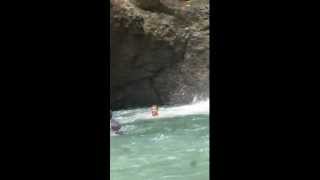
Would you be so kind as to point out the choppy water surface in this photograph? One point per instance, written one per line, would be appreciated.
(174, 145)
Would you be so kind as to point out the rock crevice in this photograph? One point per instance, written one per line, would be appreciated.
(155, 57)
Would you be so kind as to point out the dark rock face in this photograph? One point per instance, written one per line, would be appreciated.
(159, 52)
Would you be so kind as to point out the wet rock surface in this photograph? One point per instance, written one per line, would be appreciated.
(159, 52)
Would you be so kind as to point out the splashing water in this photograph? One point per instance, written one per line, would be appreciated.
(126, 116)
(174, 145)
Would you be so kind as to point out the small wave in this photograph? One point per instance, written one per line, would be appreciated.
(200, 107)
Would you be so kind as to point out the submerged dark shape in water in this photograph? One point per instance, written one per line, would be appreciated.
(169, 147)
(115, 126)
(193, 163)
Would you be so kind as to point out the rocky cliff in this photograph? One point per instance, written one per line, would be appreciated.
(159, 52)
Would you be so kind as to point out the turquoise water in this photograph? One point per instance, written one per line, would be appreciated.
(173, 146)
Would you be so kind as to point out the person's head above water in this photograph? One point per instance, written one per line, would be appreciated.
(114, 125)
(154, 110)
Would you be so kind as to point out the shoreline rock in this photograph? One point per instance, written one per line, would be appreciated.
(159, 52)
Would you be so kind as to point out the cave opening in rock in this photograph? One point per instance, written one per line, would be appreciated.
(136, 62)
(157, 58)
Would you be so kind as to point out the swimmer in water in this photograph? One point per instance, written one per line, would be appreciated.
(154, 110)
(115, 126)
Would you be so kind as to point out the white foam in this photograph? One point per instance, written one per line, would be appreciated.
(200, 107)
